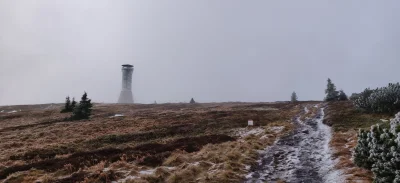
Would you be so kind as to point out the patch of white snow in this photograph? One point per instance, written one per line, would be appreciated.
(125, 179)
(306, 110)
(117, 115)
(265, 109)
(327, 164)
(244, 132)
(276, 129)
(14, 111)
(147, 172)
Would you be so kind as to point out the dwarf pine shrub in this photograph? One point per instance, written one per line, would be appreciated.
(380, 100)
(361, 151)
(381, 156)
(379, 151)
(362, 101)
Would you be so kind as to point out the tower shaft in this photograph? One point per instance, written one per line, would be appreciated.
(126, 96)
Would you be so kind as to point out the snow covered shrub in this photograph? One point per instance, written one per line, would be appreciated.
(363, 99)
(381, 156)
(386, 99)
(395, 124)
(396, 158)
(380, 100)
(379, 151)
(354, 96)
(361, 151)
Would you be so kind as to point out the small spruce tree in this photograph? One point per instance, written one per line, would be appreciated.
(293, 98)
(73, 104)
(84, 109)
(342, 96)
(331, 93)
(67, 106)
(192, 101)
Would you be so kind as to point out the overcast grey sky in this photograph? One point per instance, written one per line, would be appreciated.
(212, 50)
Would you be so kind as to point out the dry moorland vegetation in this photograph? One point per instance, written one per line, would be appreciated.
(345, 120)
(150, 143)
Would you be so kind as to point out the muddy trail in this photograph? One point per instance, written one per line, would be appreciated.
(301, 156)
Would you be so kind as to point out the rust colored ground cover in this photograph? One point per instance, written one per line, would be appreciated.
(37, 143)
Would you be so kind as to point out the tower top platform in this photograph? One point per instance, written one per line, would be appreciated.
(127, 65)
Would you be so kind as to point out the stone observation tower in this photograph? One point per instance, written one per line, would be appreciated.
(126, 96)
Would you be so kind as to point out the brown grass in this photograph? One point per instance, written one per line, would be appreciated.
(346, 120)
(38, 134)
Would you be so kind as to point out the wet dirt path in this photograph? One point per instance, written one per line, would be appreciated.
(302, 156)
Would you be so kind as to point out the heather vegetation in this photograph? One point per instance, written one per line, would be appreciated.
(195, 143)
(151, 143)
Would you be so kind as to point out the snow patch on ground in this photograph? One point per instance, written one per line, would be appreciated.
(130, 177)
(327, 169)
(14, 111)
(147, 172)
(117, 115)
(265, 109)
(306, 110)
(244, 132)
(276, 129)
(304, 156)
(264, 137)
(299, 121)
(142, 172)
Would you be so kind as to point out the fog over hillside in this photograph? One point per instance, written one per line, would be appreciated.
(213, 51)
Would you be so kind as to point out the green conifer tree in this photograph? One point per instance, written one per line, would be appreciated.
(73, 104)
(342, 96)
(293, 98)
(84, 109)
(67, 105)
(331, 93)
